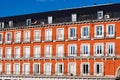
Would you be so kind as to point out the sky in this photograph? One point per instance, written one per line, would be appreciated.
(19, 7)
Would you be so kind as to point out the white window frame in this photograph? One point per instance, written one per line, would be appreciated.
(1, 38)
(72, 63)
(37, 38)
(95, 50)
(8, 55)
(16, 72)
(75, 50)
(50, 19)
(8, 42)
(69, 37)
(58, 37)
(56, 68)
(48, 37)
(59, 54)
(17, 55)
(23, 70)
(1, 69)
(102, 70)
(50, 53)
(34, 68)
(28, 22)
(7, 72)
(82, 50)
(85, 63)
(10, 23)
(1, 52)
(38, 53)
(2, 24)
(48, 73)
(25, 54)
(17, 39)
(74, 17)
(110, 35)
(27, 38)
(95, 31)
(82, 32)
(107, 44)
(100, 12)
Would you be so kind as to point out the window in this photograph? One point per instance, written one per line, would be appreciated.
(10, 23)
(85, 68)
(72, 33)
(59, 68)
(0, 68)
(110, 49)
(100, 14)
(85, 32)
(49, 19)
(26, 36)
(1, 52)
(37, 51)
(74, 17)
(98, 67)
(26, 68)
(8, 52)
(17, 37)
(72, 49)
(47, 68)
(17, 52)
(16, 68)
(72, 68)
(36, 68)
(99, 49)
(60, 34)
(2, 24)
(37, 35)
(8, 37)
(99, 32)
(26, 52)
(1, 38)
(48, 35)
(8, 68)
(28, 22)
(85, 49)
(60, 50)
(110, 30)
(48, 50)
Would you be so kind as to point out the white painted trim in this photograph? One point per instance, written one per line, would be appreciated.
(50, 68)
(56, 68)
(38, 36)
(61, 54)
(75, 49)
(95, 29)
(14, 68)
(74, 63)
(101, 14)
(6, 68)
(39, 52)
(23, 68)
(82, 63)
(48, 37)
(1, 38)
(39, 67)
(6, 37)
(1, 68)
(19, 52)
(69, 33)
(29, 36)
(45, 54)
(10, 54)
(81, 49)
(74, 17)
(100, 63)
(28, 55)
(50, 19)
(96, 44)
(107, 35)
(16, 38)
(59, 38)
(84, 37)
(1, 54)
(110, 43)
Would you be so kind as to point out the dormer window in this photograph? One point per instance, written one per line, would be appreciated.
(100, 14)
(49, 19)
(28, 22)
(74, 17)
(2, 24)
(10, 23)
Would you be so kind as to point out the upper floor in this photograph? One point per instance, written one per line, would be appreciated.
(96, 12)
